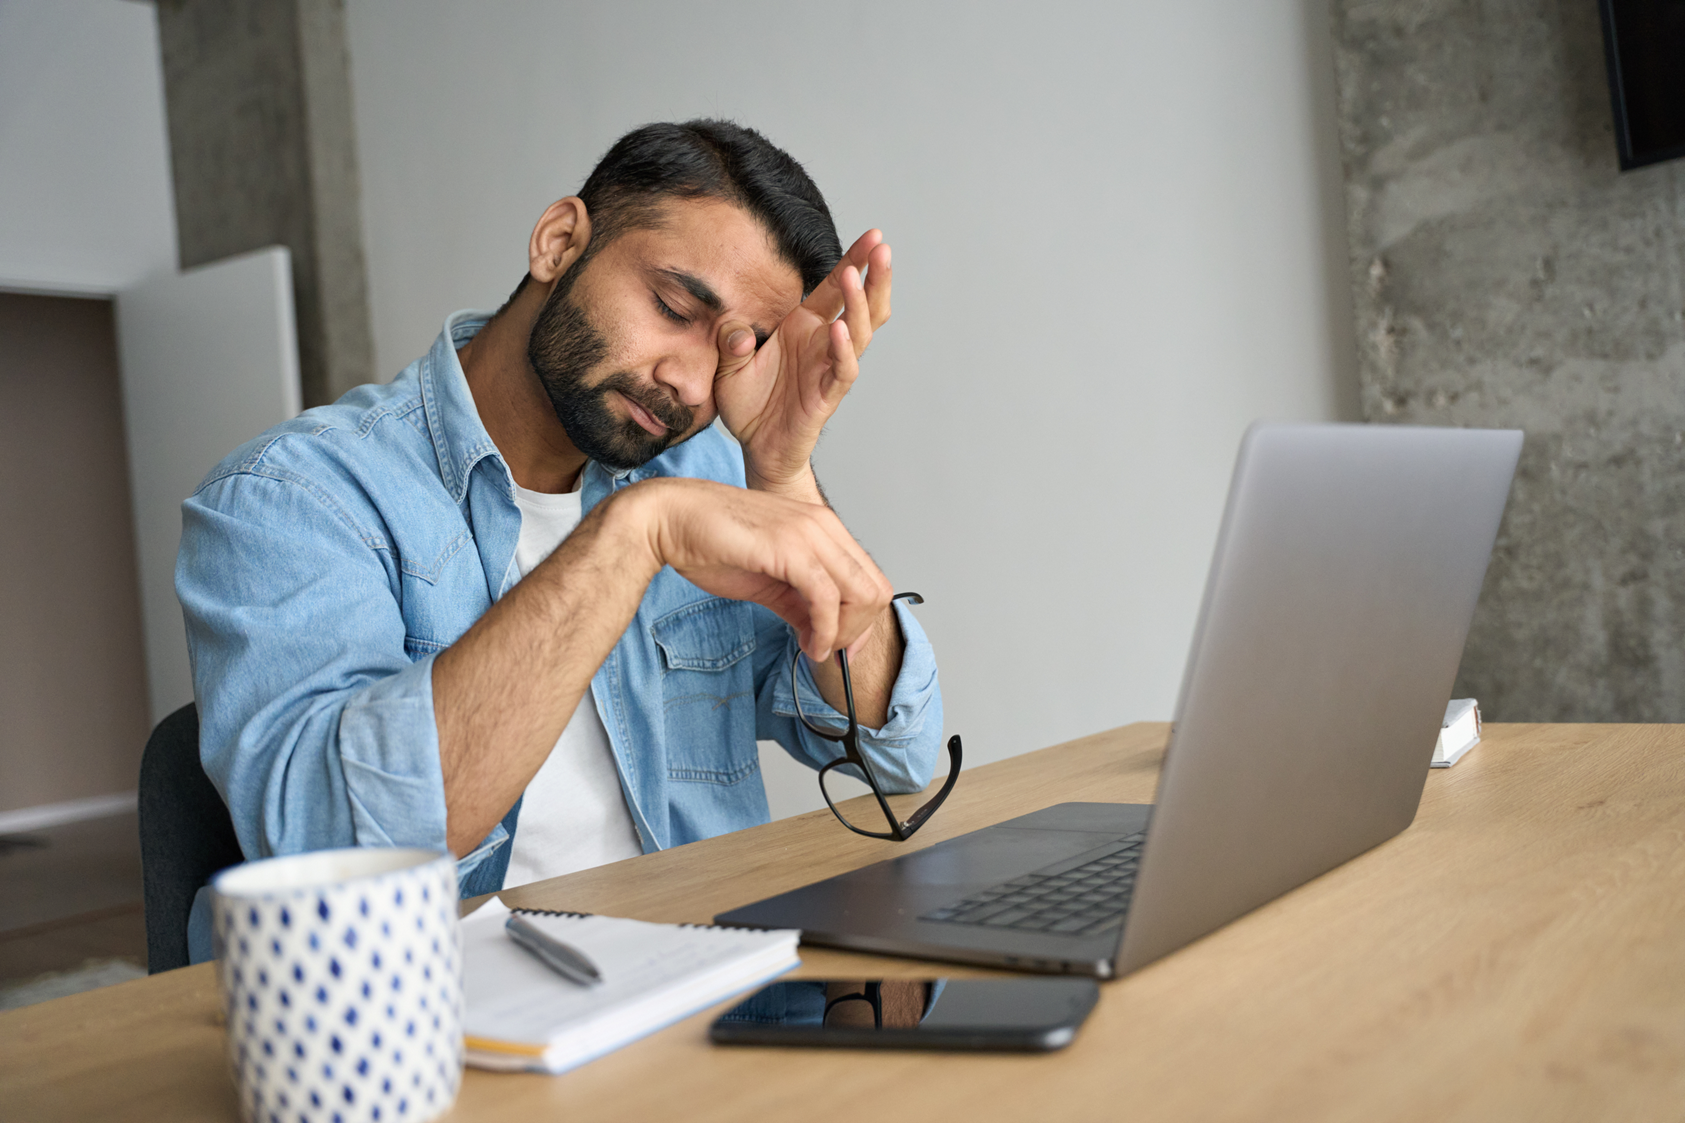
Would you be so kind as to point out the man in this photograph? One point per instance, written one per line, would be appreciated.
(526, 601)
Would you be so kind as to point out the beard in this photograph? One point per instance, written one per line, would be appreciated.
(565, 349)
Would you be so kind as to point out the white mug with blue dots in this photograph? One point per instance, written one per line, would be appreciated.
(341, 975)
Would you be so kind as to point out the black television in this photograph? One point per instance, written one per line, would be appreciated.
(1644, 42)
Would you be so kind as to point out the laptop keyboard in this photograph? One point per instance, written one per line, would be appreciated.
(1079, 900)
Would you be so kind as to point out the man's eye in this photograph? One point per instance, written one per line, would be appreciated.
(661, 306)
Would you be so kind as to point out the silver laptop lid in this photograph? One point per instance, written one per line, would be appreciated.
(1341, 590)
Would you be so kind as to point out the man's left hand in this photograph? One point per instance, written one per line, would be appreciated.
(776, 399)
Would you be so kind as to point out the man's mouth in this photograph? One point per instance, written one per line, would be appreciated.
(643, 416)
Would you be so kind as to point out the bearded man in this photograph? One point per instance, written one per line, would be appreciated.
(526, 601)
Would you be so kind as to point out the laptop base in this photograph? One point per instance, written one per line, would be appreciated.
(881, 908)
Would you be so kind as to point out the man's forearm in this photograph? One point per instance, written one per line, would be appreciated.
(503, 693)
(872, 669)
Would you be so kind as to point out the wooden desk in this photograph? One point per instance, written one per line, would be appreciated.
(1518, 953)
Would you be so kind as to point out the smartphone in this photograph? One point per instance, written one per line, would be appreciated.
(1032, 1014)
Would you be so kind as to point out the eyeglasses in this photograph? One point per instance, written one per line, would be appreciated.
(849, 738)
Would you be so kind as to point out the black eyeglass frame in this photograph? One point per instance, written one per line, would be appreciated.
(849, 738)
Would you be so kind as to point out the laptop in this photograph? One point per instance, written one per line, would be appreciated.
(1345, 576)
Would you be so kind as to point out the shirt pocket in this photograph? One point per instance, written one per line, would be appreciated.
(708, 691)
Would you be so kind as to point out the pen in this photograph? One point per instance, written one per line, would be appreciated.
(568, 962)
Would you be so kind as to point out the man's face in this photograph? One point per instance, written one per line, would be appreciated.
(627, 346)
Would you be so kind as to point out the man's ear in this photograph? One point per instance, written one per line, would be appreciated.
(559, 239)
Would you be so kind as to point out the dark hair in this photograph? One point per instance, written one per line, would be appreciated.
(708, 159)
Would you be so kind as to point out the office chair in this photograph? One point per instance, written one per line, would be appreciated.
(186, 835)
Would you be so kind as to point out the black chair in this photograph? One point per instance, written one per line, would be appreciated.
(186, 835)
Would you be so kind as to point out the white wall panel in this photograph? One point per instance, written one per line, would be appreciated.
(209, 360)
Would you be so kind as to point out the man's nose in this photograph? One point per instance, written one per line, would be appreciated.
(689, 374)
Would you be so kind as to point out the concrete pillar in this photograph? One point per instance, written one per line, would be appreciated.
(1505, 273)
(258, 94)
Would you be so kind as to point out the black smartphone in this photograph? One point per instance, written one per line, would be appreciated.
(1032, 1014)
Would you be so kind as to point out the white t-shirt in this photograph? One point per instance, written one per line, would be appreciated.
(574, 814)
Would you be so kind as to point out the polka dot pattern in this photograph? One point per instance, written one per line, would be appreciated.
(344, 1001)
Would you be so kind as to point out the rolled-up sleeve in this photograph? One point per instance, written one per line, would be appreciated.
(315, 722)
(904, 750)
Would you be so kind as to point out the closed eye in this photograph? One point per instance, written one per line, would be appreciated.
(662, 307)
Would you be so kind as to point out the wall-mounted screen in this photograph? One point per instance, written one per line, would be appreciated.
(1645, 44)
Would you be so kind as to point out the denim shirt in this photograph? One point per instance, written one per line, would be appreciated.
(325, 564)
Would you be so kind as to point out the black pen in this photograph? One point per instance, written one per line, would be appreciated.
(568, 962)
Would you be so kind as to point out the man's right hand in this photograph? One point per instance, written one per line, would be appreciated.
(795, 558)
(505, 690)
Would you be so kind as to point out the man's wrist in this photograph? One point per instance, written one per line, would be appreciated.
(632, 520)
(801, 485)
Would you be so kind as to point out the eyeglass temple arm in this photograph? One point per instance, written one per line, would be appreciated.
(851, 743)
(902, 831)
(899, 831)
(842, 657)
(852, 747)
(956, 753)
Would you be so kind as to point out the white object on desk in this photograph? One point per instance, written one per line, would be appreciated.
(341, 978)
(522, 1017)
(1459, 734)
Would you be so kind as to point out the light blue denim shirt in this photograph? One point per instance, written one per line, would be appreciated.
(325, 564)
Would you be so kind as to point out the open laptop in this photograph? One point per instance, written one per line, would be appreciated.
(1341, 591)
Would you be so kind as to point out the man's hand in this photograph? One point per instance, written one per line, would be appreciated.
(775, 400)
(793, 557)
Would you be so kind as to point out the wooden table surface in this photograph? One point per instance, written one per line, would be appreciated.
(1518, 953)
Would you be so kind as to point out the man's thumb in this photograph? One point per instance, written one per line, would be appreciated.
(737, 346)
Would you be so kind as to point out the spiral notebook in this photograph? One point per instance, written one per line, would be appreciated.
(520, 1016)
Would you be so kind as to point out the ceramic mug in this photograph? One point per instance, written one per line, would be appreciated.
(341, 976)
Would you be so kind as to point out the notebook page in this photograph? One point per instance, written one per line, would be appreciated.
(650, 972)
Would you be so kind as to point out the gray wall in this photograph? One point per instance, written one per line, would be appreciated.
(1117, 241)
(1506, 274)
